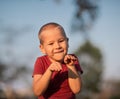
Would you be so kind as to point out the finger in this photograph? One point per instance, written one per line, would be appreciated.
(58, 65)
(73, 58)
(67, 59)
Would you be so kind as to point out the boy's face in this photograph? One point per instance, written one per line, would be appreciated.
(55, 44)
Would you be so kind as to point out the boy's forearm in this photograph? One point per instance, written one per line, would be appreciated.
(74, 79)
(41, 84)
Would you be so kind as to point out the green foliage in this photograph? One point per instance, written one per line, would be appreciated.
(115, 97)
(85, 15)
(92, 68)
(2, 69)
(89, 55)
(93, 51)
(116, 92)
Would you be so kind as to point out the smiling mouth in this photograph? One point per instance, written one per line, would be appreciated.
(59, 51)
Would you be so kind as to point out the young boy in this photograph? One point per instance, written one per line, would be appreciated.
(56, 74)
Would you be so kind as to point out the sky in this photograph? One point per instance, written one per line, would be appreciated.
(20, 21)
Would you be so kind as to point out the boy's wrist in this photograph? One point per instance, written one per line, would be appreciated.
(71, 66)
(51, 71)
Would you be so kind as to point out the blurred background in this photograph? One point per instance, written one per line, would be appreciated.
(93, 27)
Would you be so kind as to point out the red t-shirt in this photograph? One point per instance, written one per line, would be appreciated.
(58, 87)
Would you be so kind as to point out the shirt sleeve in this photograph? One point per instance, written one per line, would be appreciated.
(77, 65)
(38, 68)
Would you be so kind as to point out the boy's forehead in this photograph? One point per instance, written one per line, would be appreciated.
(49, 28)
(51, 35)
(51, 31)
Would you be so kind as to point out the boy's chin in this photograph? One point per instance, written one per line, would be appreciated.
(59, 58)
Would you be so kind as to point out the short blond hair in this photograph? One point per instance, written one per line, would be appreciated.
(48, 26)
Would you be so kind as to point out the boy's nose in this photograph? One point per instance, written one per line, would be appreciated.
(57, 45)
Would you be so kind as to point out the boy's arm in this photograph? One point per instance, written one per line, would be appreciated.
(41, 82)
(74, 78)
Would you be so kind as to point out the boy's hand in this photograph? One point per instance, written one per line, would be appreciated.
(55, 67)
(69, 60)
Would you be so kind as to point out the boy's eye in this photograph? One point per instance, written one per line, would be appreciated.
(50, 43)
(62, 40)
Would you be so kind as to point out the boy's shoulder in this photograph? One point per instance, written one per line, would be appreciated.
(44, 60)
(42, 57)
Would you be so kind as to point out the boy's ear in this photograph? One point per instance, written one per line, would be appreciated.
(42, 49)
